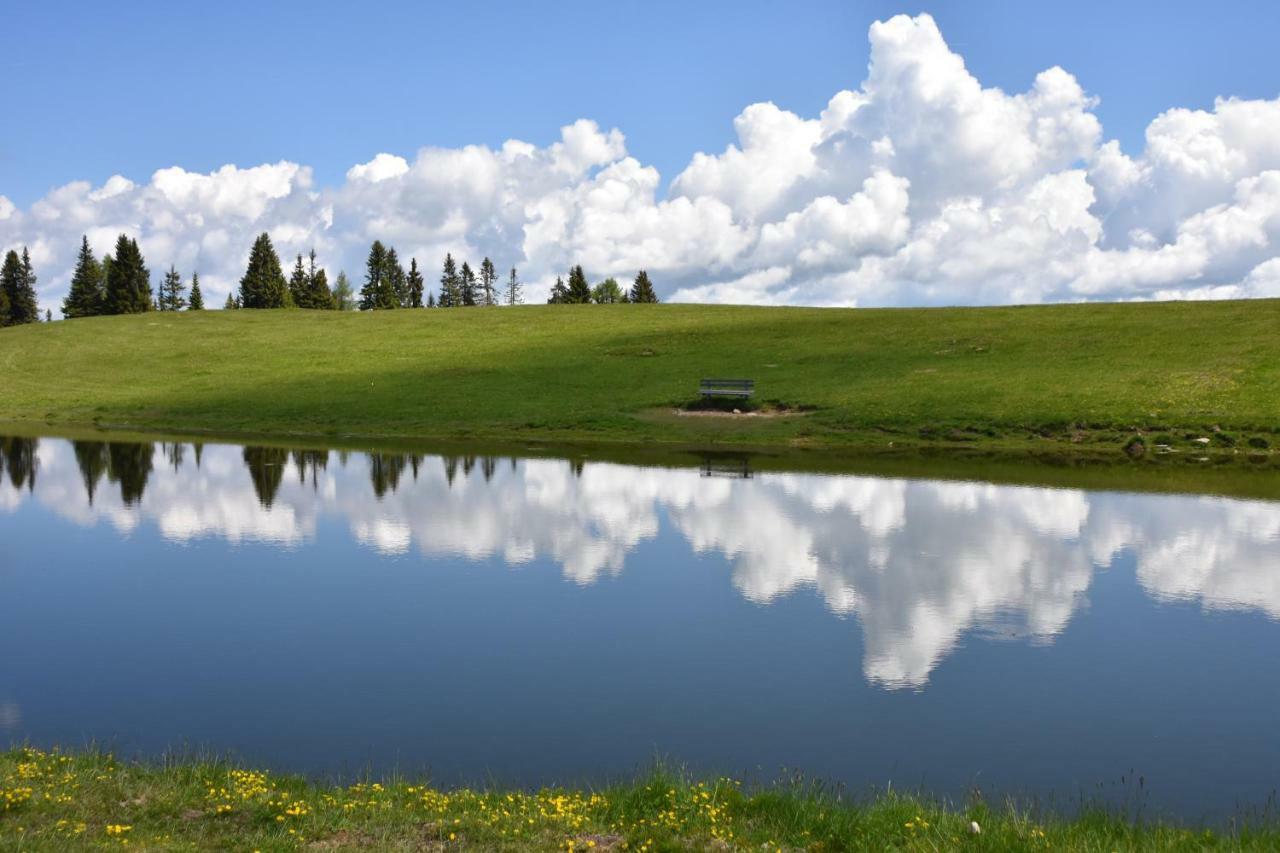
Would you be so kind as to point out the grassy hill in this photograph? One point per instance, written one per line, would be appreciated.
(1085, 376)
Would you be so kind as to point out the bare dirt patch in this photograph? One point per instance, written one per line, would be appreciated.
(773, 412)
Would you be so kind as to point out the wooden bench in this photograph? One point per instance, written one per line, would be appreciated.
(727, 388)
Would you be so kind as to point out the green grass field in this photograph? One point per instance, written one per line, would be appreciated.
(1080, 376)
(83, 801)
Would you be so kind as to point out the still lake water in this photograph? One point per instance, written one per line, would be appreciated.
(533, 621)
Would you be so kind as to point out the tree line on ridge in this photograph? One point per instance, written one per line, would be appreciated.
(120, 283)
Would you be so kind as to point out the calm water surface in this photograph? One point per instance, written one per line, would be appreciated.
(536, 621)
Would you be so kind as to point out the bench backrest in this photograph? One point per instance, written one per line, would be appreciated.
(744, 384)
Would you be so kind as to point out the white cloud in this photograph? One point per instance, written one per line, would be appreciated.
(920, 186)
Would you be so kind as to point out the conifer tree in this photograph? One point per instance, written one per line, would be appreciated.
(515, 290)
(450, 284)
(343, 297)
(4, 292)
(559, 293)
(299, 285)
(579, 290)
(48, 315)
(415, 285)
(128, 283)
(23, 305)
(642, 289)
(197, 298)
(171, 298)
(431, 300)
(231, 304)
(395, 293)
(375, 273)
(264, 284)
(18, 281)
(488, 283)
(467, 284)
(317, 294)
(85, 296)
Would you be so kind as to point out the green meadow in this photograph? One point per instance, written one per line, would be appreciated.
(1190, 378)
(91, 801)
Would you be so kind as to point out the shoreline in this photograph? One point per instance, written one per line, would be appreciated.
(53, 800)
(1227, 472)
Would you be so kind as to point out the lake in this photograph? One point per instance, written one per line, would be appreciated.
(539, 620)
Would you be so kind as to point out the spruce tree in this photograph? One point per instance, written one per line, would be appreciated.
(85, 297)
(23, 305)
(642, 289)
(415, 284)
(431, 300)
(264, 284)
(128, 283)
(343, 297)
(467, 285)
(397, 283)
(515, 290)
(298, 285)
(318, 294)
(197, 298)
(559, 293)
(18, 280)
(231, 304)
(579, 289)
(375, 271)
(488, 283)
(450, 284)
(10, 276)
(171, 298)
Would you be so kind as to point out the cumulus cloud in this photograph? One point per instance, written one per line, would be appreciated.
(919, 186)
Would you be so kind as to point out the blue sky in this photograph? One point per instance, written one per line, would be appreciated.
(786, 206)
(130, 88)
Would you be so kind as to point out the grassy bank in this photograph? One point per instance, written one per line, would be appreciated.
(54, 801)
(1081, 377)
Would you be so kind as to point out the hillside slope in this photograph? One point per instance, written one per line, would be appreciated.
(1084, 374)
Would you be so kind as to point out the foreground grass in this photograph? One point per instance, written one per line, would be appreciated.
(1078, 376)
(55, 801)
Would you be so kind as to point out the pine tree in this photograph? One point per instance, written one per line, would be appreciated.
(128, 288)
(450, 286)
(396, 292)
(343, 297)
(264, 284)
(171, 298)
(431, 300)
(85, 297)
(4, 289)
(197, 298)
(415, 285)
(299, 285)
(317, 294)
(231, 304)
(467, 284)
(48, 315)
(642, 289)
(559, 293)
(375, 270)
(579, 290)
(488, 283)
(18, 281)
(515, 290)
